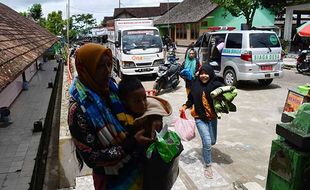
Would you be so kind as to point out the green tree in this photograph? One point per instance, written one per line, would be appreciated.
(36, 11)
(83, 23)
(42, 22)
(72, 32)
(238, 8)
(54, 22)
(24, 14)
(278, 6)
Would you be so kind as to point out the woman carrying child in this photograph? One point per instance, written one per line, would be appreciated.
(95, 116)
(200, 101)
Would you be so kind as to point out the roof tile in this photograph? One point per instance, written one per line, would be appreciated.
(22, 41)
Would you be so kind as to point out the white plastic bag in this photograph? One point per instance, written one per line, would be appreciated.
(184, 127)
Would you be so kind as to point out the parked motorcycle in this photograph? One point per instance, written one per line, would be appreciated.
(303, 62)
(168, 73)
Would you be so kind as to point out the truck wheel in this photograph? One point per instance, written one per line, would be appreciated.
(265, 82)
(230, 78)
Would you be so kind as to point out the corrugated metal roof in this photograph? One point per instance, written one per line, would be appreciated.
(188, 11)
(22, 41)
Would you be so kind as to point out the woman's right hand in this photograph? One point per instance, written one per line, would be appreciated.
(142, 140)
(182, 109)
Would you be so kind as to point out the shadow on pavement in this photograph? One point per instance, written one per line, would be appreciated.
(220, 157)
(254, 85)
(191, 156)
(304, 73)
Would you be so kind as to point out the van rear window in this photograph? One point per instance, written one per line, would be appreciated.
(262, 40)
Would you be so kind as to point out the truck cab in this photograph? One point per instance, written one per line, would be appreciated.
(136, 49)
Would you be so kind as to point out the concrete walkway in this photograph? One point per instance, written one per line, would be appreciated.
(18, 144)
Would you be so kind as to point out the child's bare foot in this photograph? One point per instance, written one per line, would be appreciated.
(208, 172)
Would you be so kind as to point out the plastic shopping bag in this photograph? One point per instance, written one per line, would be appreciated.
(161, 167)
(184, 127)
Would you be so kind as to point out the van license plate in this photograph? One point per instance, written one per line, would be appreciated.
(266, 67)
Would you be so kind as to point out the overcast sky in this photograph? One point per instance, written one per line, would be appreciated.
(99, 8)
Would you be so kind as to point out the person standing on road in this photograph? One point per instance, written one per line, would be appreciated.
(200, 101)
(189, 68)
(95, 116)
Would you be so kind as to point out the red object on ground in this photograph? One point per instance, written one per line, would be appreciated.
(150, 92)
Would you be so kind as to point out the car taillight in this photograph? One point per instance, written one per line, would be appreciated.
(246, 56)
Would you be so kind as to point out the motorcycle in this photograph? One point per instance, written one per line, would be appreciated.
(168, 73)
(303, 61)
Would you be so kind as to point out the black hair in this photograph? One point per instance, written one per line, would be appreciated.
(127, 85)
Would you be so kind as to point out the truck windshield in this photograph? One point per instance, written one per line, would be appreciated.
(135, 40)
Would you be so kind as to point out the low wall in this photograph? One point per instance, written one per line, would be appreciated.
(68, 165)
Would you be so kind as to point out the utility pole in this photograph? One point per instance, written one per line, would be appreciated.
(119, 3)
(68, 17)
(169, 31)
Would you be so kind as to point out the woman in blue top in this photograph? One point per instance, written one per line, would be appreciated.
(189, 68)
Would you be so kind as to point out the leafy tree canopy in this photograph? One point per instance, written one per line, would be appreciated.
(237, 8)
(247, 8)
(54, 22)
(83, 22)
(36, 11)
(277, 6)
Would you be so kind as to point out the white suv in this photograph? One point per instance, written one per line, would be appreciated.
(246, 55)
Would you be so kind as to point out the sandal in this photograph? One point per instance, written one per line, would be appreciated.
(208, 172)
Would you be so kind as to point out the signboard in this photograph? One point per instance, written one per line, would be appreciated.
(292, 103)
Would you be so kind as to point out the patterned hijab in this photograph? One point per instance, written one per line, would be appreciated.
(87, 60)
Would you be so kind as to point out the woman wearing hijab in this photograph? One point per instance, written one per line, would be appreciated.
(206, 121)
(189, 68)
(95, 117)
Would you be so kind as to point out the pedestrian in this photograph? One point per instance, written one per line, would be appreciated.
(201, 103)
(189, 47)
(217, 54)
(157, 173)
(94, 118)
(133, 96)
(148, 113)
(189, 68)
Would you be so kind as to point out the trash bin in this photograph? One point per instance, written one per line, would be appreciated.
(289, 169)
(289, 164)
(25, 85)
(5, 114)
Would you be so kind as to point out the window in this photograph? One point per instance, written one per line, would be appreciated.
(263, 40)
(234, 41)
(195, 31)
(199, 41)
(181, 32)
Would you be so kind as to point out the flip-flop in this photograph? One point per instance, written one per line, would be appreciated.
(208, 173)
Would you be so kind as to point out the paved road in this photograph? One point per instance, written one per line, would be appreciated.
(241, 154)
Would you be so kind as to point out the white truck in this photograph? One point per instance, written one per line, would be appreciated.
(136, 46)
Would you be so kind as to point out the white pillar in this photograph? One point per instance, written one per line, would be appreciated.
(288, 24)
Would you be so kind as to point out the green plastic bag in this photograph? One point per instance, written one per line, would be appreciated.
(167, 145)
